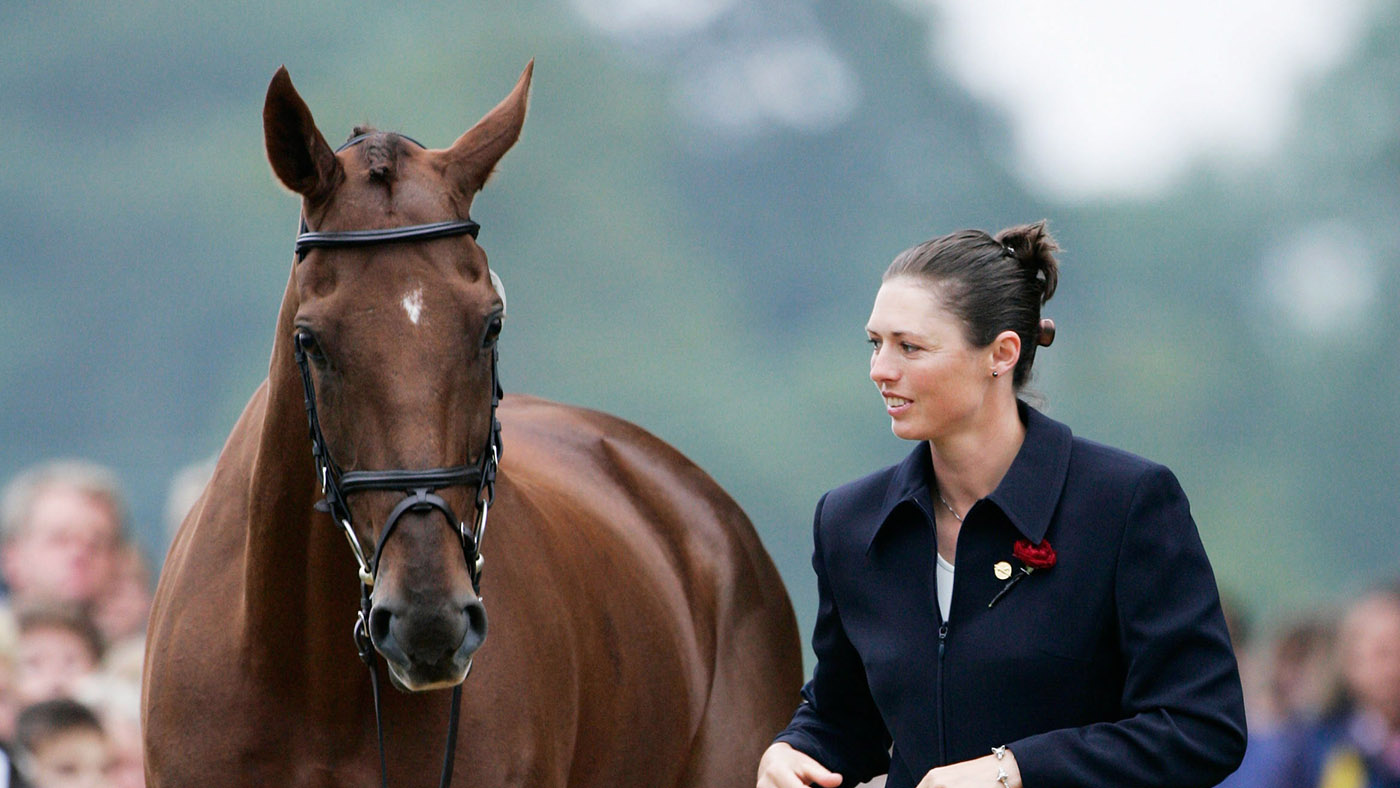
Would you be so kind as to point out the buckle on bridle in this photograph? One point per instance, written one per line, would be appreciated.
(363, 644)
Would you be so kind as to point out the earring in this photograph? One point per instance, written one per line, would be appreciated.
(995, 373)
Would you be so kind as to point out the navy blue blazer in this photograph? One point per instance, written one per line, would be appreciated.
(1111, 668)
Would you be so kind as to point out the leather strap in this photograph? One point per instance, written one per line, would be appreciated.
(308, 239)
(453, 716)
(432, 478)
(421, 500)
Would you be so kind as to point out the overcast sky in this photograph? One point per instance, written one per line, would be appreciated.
(1106, 97)
(1116, 97)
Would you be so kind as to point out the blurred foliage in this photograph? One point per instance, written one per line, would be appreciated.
(712, 290)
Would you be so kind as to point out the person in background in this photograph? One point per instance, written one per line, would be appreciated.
(9, 704)
(1288, 681)
(61, 745)
(9, 644)
(1012, 604)
(125, 661)
(9, 773)
(63, 539)
(1358, 746)
(61, 531)
(1304, 680)
(123, 609)
(58, 647)
(1290, 686)
(116, 700)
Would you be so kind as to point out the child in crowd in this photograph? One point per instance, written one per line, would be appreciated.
(60, 744)
(116, 700)
(58, 646)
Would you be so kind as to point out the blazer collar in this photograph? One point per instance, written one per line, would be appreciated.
(1027, 494)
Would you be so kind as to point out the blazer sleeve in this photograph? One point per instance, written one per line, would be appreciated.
(1183, 711)
(838, 723)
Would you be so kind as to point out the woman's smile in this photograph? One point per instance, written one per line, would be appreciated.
(896, 406)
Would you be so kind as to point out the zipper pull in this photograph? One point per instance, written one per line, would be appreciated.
(942, 638)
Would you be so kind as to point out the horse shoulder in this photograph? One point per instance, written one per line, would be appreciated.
(650, 498)
(575, 450)
(676, 533)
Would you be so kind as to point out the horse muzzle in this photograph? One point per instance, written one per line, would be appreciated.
(427, 649)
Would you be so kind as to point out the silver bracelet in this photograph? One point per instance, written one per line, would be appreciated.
(1002, 776)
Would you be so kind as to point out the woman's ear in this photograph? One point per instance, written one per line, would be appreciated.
(1005, 352)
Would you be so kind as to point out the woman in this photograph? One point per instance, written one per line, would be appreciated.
(1010, 605)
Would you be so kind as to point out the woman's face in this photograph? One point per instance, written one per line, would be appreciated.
(933, 382)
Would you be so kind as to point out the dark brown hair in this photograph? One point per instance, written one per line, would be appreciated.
(992, 283)
(42, 721)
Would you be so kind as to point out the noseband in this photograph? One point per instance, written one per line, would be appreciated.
(419, 486)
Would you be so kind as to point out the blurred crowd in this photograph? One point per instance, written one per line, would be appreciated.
(76, 594)
(1322, 690)
(1322, 696)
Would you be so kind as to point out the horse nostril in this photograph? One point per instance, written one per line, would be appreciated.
(380, 620)
(475, 612)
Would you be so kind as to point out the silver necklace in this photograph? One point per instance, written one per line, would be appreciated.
(948, 506)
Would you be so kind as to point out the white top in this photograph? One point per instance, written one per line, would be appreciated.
(943, 580)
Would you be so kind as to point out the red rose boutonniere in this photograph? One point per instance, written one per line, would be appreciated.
(1032, 557)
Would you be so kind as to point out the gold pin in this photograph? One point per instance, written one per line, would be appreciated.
(1002, 570)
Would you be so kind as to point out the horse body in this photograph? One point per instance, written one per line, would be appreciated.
(639, 634)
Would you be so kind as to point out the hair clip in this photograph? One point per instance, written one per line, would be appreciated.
(1047, 333)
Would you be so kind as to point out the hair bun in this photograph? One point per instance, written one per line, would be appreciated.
(1047, 333)
(1034, 249)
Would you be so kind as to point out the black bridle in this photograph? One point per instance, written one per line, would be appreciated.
(419, 486)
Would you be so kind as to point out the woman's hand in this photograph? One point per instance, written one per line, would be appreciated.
(976, 773)
(784, 767)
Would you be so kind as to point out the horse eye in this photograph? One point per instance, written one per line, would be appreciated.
(308, 344)
(493, 331)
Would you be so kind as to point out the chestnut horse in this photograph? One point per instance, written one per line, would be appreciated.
(639, 634)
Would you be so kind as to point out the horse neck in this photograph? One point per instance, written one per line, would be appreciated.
(298, 575)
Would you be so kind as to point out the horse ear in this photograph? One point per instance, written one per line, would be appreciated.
(473, 156)
(299, 154)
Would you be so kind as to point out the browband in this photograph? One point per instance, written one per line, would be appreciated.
(415, 232)
(307, 239)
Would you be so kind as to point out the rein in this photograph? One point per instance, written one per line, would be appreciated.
(419, 486)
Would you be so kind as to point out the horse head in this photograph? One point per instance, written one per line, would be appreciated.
(395, 331)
